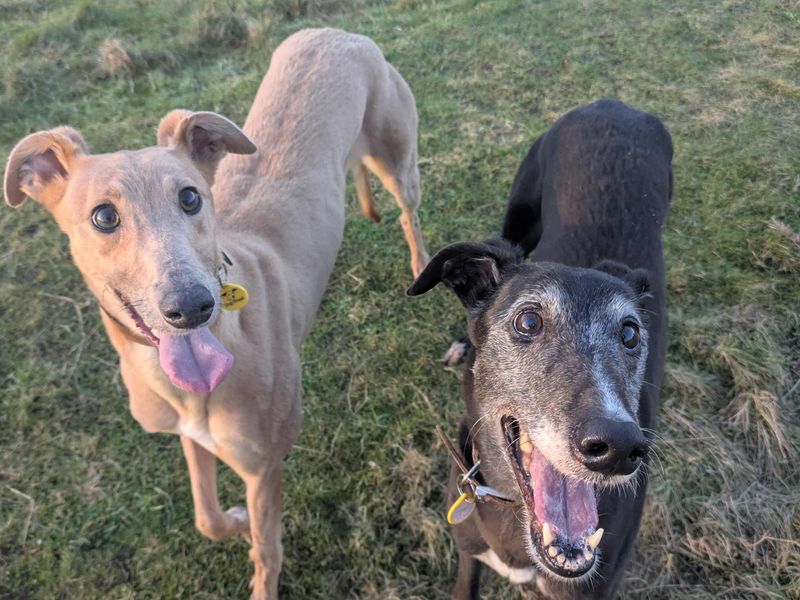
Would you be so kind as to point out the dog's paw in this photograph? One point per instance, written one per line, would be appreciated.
(456, 352)
(240, 518)
(239, 513)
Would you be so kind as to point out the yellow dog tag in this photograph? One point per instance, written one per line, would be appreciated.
(462, 508)
(234, 296)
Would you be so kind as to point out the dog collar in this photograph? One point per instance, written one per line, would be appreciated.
(469, 489)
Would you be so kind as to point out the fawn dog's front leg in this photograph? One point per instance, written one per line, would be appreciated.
(208, 517)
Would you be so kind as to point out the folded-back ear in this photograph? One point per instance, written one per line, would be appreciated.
(472, 270)
(40, 164)
(204, 136)
(637, 279)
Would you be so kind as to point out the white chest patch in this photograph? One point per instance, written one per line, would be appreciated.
(201, 435)
(491, 559)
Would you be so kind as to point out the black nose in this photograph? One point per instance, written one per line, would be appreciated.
(611, 447)
(187, 308)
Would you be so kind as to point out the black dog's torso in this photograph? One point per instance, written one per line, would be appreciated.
(596, 186)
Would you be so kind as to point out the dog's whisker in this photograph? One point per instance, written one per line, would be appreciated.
(476, 428)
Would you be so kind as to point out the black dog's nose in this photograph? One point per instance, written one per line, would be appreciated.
(611, 447)
(187, 308)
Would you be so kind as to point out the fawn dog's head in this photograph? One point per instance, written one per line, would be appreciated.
(141, 230)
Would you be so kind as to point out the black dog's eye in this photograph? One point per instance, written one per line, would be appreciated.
(105, 218)
(528, 323)
(630, 335)
(190, 200)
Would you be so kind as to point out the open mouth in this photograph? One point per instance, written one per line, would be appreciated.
(137, 319)
(563, 511)
(194, 360)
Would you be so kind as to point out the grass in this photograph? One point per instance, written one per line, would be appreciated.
(92, 507)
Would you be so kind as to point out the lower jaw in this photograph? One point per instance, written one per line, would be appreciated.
(562, 556)
(562, 559)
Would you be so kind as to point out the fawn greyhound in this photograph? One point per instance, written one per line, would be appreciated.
(156, 232)
(567, 356)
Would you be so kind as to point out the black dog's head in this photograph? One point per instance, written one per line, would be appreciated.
(559, 363)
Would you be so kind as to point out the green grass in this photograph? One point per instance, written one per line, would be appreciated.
(92, 507)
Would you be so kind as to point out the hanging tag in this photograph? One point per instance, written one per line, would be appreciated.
(233, 296)
(461, 510)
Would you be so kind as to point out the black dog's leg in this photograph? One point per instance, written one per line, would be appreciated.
(468, 580)
(522, 224)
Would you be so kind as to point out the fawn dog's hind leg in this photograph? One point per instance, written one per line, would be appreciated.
(364, 191)
(387, 146)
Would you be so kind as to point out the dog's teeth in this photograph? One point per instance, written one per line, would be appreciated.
(547, 535)
(552, 551)
(587, 555)
(526, 452)
(525, 442)
(594, 540)
(560, 559)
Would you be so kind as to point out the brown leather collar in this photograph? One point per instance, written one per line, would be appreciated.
(482, 493)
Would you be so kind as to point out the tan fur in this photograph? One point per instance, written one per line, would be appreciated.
(329, 100)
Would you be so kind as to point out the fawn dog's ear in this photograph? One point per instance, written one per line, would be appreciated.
(204, 136)
(471, 270)
(40, 166)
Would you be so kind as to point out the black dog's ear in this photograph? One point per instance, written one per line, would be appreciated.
(637, 279)
(471, 270)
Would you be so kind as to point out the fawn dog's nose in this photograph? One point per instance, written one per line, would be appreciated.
(187, 308)
(609, 446)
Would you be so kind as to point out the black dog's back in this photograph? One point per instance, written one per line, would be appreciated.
(604, 170)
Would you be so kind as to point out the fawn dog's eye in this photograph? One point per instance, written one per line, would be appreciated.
(105, 218)
(528, 323)
(190, 200)
(630, 335)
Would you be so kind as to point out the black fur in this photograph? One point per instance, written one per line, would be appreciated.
(593, 192)
(470, 270)
(596, 187)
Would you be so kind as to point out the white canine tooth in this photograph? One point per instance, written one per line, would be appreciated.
(594, 540)
(552, 551)
(560, 559)
(587, 555)
(547, 535)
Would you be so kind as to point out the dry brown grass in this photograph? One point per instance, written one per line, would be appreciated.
(114, 59)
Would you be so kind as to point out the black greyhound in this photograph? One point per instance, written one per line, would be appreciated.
(561, 387)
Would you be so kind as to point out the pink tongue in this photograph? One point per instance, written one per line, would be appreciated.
(195, 362)
(568, 505)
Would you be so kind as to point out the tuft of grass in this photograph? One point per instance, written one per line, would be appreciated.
(114, 59)
(92, 507)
